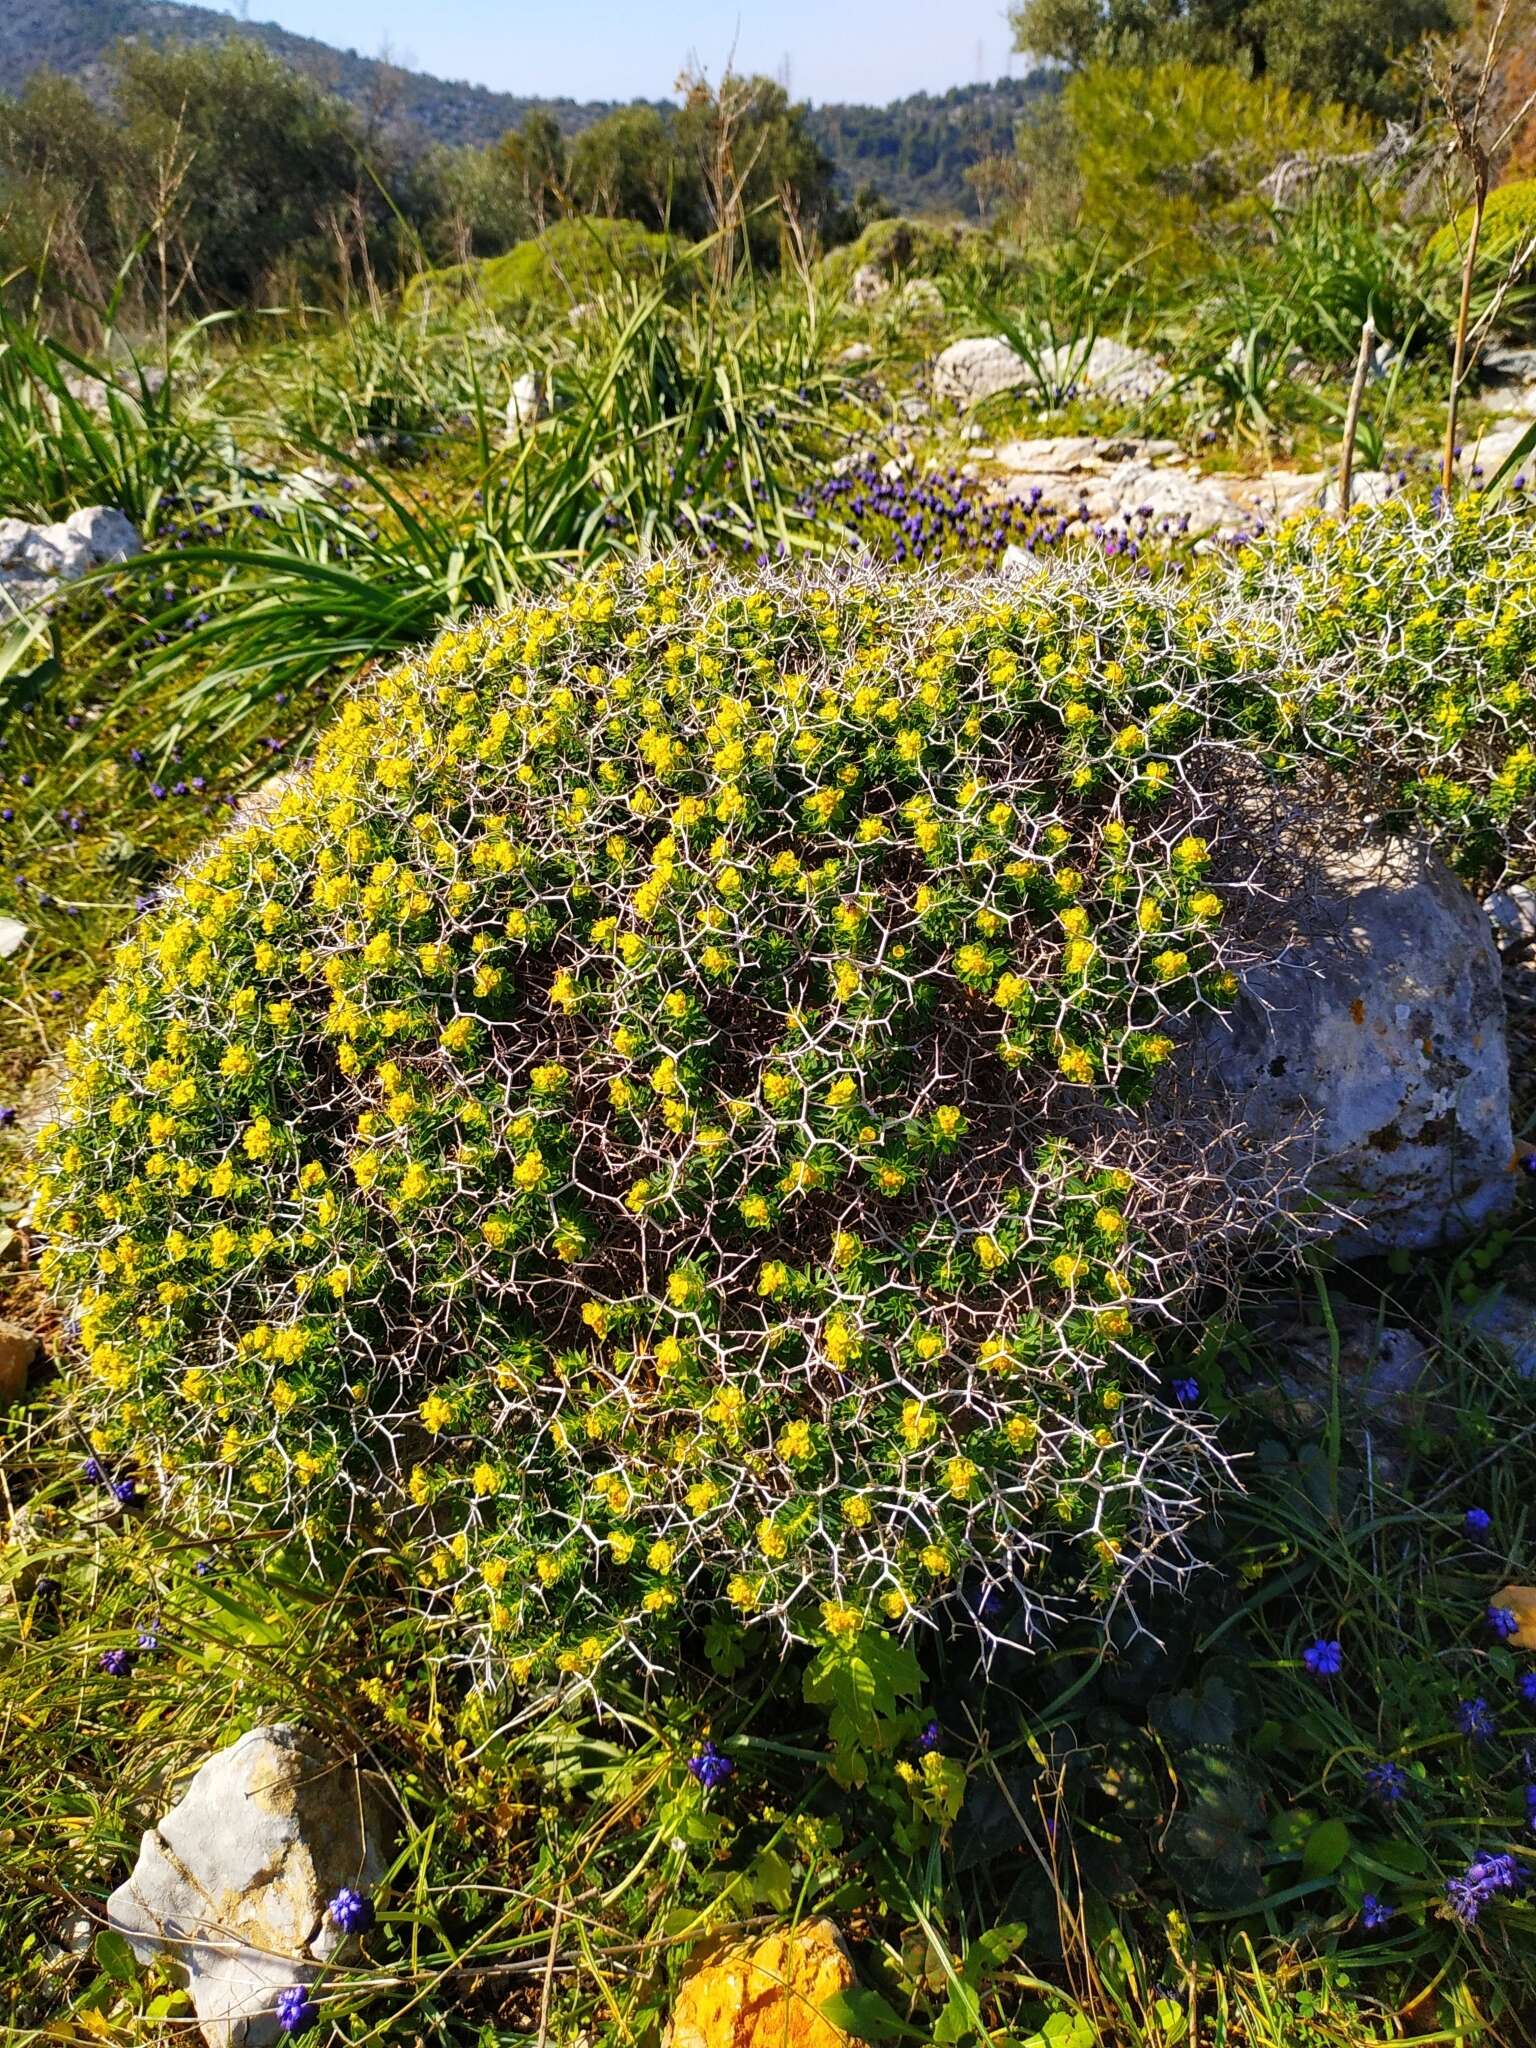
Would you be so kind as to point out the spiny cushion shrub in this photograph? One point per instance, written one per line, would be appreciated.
(654, 1123)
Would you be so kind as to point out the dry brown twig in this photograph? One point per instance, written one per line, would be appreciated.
(1478, 151)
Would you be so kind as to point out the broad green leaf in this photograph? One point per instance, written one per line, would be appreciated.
(1327, 1846)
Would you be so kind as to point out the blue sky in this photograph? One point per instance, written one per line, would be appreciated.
(871, 50)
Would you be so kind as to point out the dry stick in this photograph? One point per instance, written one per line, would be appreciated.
(1463, 315)
(1352, 417)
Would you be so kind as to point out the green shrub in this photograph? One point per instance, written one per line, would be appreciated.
(1509, 233)
(574, 260)
(656, 1121)
(1169, 151)
(903, 248)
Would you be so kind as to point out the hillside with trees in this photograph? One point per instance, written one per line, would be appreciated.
(916, 151)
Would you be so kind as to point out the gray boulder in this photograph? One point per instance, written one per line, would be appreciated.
(232, 1886)
(1366, 1066)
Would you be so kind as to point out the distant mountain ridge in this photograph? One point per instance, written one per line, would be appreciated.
(916, 150)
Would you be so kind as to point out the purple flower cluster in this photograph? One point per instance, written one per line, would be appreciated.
(295, 2009)
(1474, 1719)
(1324, 1658)
(1484, 1878)
(924, 518)
(709, 1766)
(1387, 1782)
(351, 1911)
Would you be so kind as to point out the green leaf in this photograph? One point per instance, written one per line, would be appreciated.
(724, 1649)
(868, 2017)
(115, 1956)
(772, 1880)
(959, 2017)
(1327, 1846)
(1205, 1716)
(861, 1683)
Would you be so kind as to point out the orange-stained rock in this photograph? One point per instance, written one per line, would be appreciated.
(766, 1994)
(1521, 1601)
(18, 1348)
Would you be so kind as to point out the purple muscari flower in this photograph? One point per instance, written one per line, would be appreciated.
(295, 2009)
(1324, 1658)
(1504, 1622)
(929, 1739)
(1186, 1392)
(710, 1767)
(1477, 1521)
(1473, 1719)
(1528, 1687)
(93, 1472)
(149, 1641)
(1373, 1913)
(1485, 1876)
(117, 1663)
(1387, 1782)
(125, 1492)
(351, 1911)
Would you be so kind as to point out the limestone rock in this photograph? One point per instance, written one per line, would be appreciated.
(968, 371)
(233, 1884)
(1506, 1324)
(868, 284)
(1512, 913)
(13, 936)
(1368, 1061)
(18, 1348)
(766, 1994)
(977, 368)
(528, 402)
(35, 560)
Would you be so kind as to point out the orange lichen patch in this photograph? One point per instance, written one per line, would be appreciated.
(767, 1994)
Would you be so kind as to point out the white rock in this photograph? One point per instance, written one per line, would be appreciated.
(13, 937)
(855, 352)
(1366, 487)
(1512, 913)
(921, 299)
(1487, 447)
(968, 371)
(1109, 369)
(528, 402)
(1055, 455)
(868, 284)
(1369, 1061)
(232, 1886)
(36, 559)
